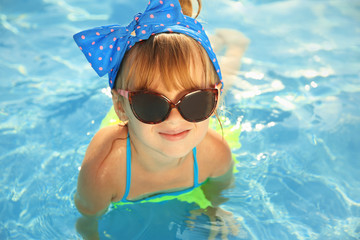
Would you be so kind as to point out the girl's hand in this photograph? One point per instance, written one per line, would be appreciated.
(221, 222)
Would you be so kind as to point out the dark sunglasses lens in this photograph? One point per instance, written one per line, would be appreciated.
(149, 108)
(198, 106)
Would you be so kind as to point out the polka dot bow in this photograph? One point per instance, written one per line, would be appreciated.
(105, 47)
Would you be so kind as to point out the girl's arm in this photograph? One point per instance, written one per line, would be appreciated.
(222, 222)
(97, 180)
(216, 185)
(93, 194)
(90, 199)
(219, 166)
(94, 188)
(221, 163)
(90, 202)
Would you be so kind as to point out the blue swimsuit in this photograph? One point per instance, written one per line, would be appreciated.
(128, 178)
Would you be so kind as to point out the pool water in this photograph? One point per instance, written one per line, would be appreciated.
(297, 97)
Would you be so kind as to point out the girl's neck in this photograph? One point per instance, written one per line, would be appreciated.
(155, 164)
(153, 161)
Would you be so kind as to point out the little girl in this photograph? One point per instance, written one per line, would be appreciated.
(166, 83)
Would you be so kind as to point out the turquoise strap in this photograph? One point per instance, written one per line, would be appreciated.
(128, 169)
(196, 170)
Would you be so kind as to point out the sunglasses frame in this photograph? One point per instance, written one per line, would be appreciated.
(129, 94)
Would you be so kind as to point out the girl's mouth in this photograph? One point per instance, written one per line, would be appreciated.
(174, 136)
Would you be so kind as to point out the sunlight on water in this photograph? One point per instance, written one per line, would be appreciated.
(295, 99)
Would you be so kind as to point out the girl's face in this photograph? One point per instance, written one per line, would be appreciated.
(173, 138)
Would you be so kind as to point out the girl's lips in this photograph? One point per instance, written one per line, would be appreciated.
(174, 136)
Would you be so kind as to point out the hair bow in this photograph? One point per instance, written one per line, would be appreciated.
(105, 47)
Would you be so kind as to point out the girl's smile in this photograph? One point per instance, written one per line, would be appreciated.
(174, 135)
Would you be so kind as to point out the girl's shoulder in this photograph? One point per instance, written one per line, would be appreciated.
(105, 153)
(99, 177)
(215, 154)
(103, 141)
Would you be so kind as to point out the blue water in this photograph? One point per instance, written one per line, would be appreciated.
(297, 97)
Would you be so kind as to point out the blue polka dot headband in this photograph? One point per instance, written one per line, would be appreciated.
(105, 47)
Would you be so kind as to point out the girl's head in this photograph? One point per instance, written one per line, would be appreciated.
(160, 47)
(167, 59)
(171, 64)
(168, 56)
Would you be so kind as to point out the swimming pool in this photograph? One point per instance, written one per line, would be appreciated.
(296, 96)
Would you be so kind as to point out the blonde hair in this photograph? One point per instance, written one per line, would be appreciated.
(168, 56)
(186, 6)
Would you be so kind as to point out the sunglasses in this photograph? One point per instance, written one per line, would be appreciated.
(152, 108)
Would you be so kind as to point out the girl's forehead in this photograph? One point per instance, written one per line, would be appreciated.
(171, 79)
(194, 80)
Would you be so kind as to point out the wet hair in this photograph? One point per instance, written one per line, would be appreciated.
(169, 57)
(186, 7)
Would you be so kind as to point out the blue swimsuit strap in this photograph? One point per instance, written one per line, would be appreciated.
(196, 170)
(128, 168)
(128, 175)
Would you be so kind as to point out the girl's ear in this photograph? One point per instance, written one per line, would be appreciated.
(218, 86)
(118, 107)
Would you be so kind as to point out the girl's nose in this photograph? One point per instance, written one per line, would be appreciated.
(174, 116)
